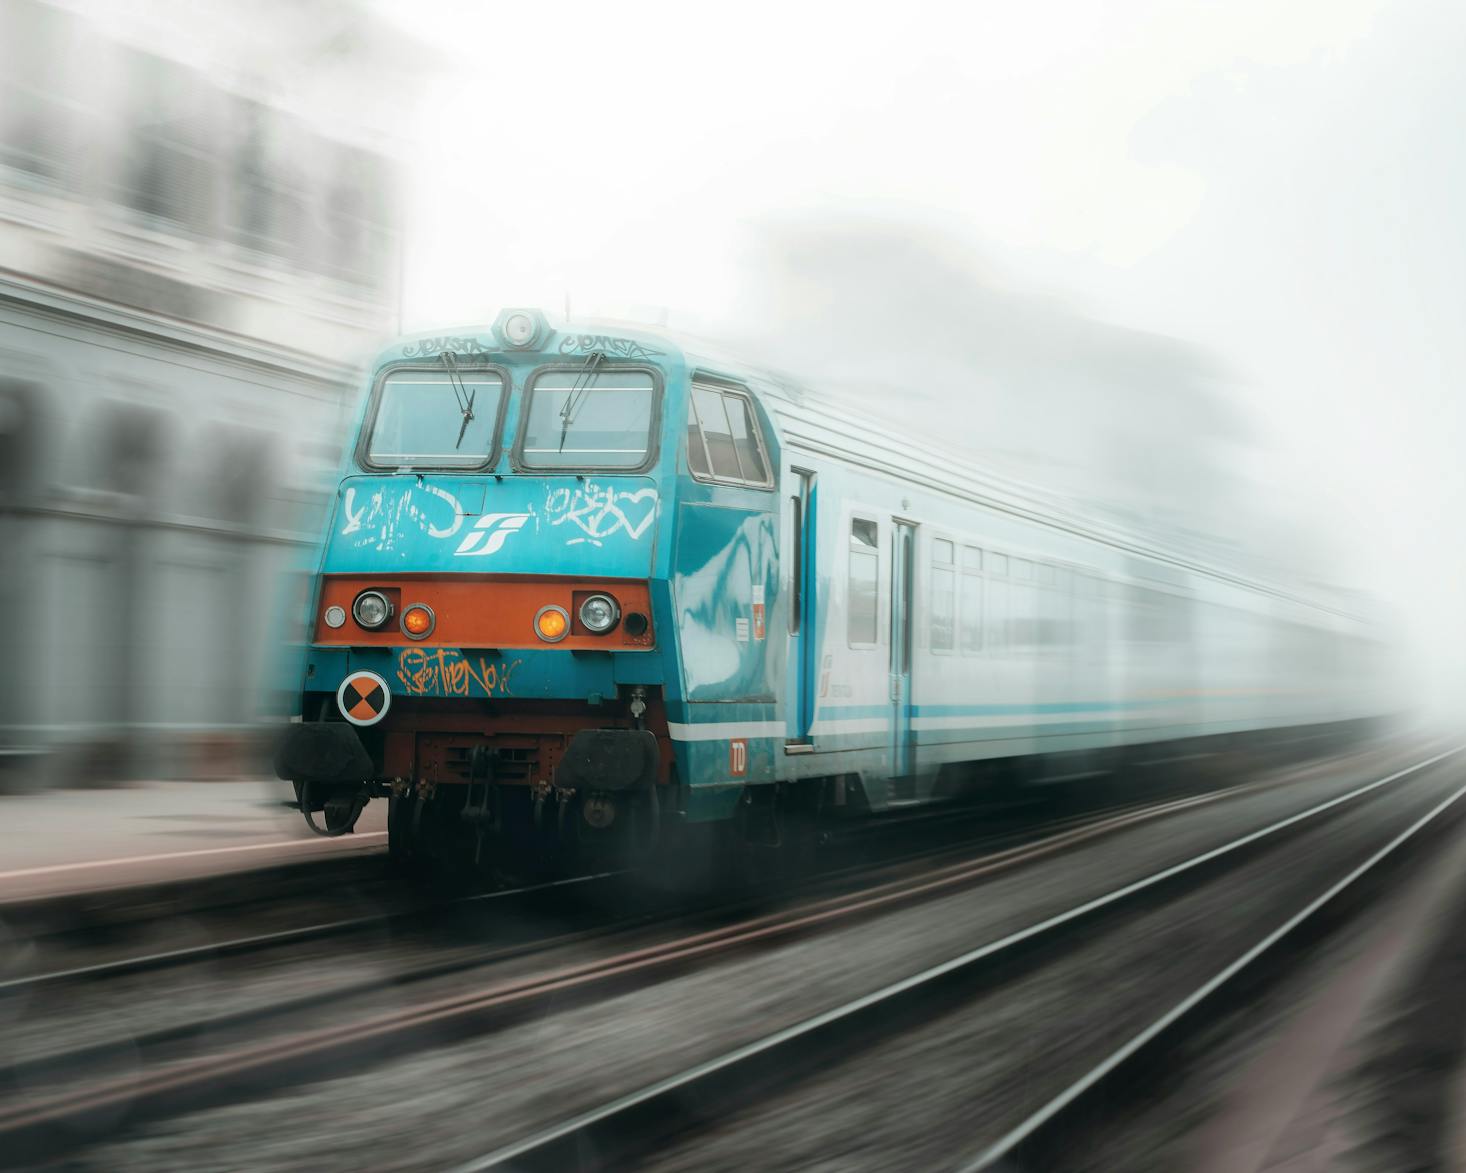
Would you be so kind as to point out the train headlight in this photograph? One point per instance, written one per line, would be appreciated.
(599, 614)
(418, 621)
(552, 624)
(371, 609)
(335, 616)
(519, 329)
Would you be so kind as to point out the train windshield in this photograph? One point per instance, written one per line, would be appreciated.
(431, 419)
(598, 419)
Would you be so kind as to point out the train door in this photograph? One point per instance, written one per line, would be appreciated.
(903, 563)
(802, 641)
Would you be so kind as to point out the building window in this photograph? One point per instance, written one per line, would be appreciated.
(38, 114)
(865, 545)
(360, 200)
(168, 161)
(269, 197)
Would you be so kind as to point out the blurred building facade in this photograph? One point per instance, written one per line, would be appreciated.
(200, 237)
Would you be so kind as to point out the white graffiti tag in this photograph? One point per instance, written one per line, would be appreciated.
(490, 533)
(600, 512)
(378, 519)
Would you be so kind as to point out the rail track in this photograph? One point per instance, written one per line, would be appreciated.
(629, 1126)
(252, 942)
(1042, 1123)
(248, 943)
(165, 1083)
(172, 898)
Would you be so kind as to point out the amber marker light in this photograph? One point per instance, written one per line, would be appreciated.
(552, 624)
(418, 621)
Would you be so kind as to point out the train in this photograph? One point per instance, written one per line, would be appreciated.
(597, 589)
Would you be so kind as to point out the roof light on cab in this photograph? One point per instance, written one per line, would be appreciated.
(521, 329)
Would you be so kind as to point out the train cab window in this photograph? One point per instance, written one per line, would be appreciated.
(601, 419)
(970, 603)
(944, 596)
(436, 419)
(724, 442)
(697, 453)
(864, 595)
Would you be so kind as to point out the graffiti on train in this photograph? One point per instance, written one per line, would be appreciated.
(390, 519)
(381, 518)
(595, 512)
(448, 672)
(602, 344)
(445, 345)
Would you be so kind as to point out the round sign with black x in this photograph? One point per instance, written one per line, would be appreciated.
(363, 698)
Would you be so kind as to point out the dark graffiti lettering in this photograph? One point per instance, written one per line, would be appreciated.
(615, 347)
(427, 346)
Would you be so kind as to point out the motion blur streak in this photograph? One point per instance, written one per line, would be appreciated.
(200, 229)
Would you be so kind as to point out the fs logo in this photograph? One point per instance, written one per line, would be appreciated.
(490, 533)
(738, 757)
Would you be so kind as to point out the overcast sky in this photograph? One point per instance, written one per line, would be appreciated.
(1279, 185)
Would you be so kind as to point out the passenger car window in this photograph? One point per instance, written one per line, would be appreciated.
(944, 597)
(861, 623)
(971, 600)
(995, 617)
(604, 422)
(420, 421)
(724, 442)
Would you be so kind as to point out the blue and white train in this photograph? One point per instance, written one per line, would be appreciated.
(586, 586)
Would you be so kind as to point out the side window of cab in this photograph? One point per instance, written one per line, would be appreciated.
(725, 445)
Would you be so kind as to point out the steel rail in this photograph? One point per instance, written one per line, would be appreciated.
(558, 1144)
(1094, 820)
(35, 1067)
(1045, 1115)
(184, 954)
(186, 1081)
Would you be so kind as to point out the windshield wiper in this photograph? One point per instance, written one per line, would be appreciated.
(579, 391)
(463, 394)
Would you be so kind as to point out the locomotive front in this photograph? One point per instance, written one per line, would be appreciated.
(485, 649)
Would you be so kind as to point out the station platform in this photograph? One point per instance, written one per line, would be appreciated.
(61, 842)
